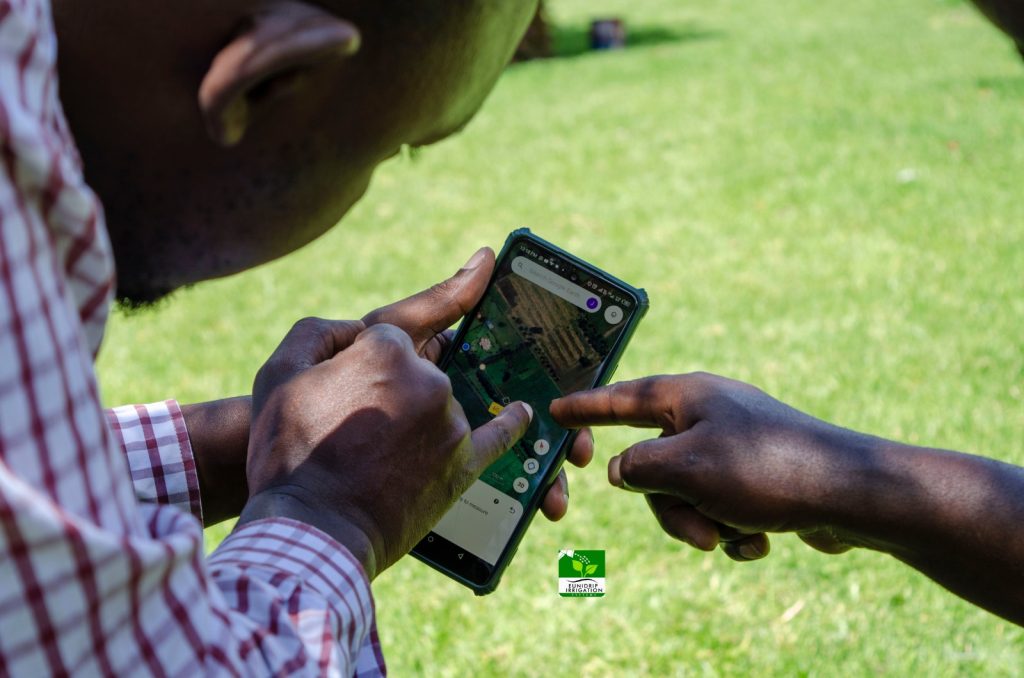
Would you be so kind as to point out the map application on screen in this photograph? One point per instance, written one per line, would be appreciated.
(544, 330)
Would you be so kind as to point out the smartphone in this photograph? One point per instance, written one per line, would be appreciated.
(548, 325)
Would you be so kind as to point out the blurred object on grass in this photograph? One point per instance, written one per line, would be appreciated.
(572, 39)
(607, 34)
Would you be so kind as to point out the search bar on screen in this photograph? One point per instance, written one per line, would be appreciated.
(556, 284)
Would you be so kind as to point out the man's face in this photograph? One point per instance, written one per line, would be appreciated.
(181, 208)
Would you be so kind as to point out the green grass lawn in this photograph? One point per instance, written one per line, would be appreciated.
(821, 198)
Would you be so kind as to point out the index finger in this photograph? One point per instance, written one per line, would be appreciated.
(644, 403)
(314, 340)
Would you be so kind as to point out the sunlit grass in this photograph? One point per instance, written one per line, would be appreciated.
(821, 198)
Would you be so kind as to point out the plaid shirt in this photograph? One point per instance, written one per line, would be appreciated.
(101, 561)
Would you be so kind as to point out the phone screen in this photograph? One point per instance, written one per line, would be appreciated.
(548, 325)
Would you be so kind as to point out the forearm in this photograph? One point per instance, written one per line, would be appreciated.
(219, 433)
(956, 518)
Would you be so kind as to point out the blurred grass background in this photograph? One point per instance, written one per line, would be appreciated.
(821, 198)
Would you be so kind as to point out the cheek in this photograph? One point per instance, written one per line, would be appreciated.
(438, 90)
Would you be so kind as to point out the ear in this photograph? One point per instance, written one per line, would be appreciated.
(268, 57)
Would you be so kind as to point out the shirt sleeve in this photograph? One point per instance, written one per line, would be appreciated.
(289, 576)
(93, 581)
(156, 445)
(273, 574)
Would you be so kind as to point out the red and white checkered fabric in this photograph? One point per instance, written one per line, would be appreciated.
(102, 569)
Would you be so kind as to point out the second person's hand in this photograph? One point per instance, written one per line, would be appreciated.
(731, 463)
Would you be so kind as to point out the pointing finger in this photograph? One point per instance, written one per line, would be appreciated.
(645, 403)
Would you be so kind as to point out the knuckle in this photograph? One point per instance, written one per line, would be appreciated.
(277, 366)
(703, 385)
(431, 390)
(389, 333)
(443, 291)
(436, 383)
(506, 438)
(702, 380)
(355, 326)
(376, 316)
(460, 428)
(667, 383)
(388, 339)
(308, 325)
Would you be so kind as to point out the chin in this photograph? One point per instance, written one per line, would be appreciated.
(135, 301)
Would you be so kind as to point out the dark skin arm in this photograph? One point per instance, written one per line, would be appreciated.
(219, 434)
(732, 464)
(219, 430)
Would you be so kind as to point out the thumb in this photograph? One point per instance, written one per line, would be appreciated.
(497, 436)
(424, 316)
(664, 465)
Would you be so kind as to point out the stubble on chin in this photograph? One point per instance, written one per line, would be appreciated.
(139, 299)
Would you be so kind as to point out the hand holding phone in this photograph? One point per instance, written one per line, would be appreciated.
(425, 317)
(549, 324)
(336, 410)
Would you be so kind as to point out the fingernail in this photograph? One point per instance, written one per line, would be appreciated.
(475, 260)
(750, 551)
(614, 474)
(529, 411)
